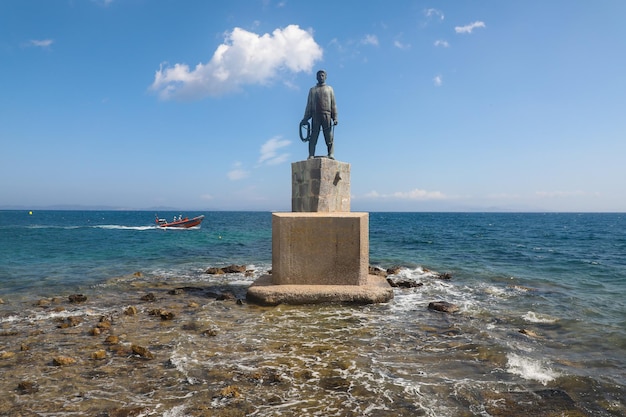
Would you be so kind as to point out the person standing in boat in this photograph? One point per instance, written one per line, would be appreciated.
(321, 107)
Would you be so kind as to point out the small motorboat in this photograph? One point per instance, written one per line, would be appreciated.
(180, 222)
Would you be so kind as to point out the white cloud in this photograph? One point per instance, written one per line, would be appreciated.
(418, 194)
(269, 151)
(245, 58)
(503, 196)
(370, 40)
(401, 45)
(442, 43)
(415, 194)
(559, 194)
(104, 3)
(434, 13)
(44, 43)
(438, 80)
(237, 173)
(469, 28)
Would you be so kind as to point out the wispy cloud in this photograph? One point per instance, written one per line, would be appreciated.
(370, 40)
(245, 58)
(103, 3)
(434, 14)
(442, 43)
(438, 80)
(43, 43)
(469, 28)
(560, 194)
(415, 194)
(401, 45)
(237, 173)
(270, 151)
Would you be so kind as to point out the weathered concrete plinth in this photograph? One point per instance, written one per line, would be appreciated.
(265, 292)
(320, 248)
(320, 251)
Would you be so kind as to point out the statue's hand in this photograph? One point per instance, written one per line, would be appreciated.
(335, 122)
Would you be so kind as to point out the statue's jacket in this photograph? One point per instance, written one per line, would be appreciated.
(321, 100)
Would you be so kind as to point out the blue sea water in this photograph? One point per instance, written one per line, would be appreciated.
(561, 275)
(48, 250)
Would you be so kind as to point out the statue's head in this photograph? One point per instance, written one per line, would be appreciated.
(321, 76)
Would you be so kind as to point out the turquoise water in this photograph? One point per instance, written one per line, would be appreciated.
(561, 277)
(51, 249)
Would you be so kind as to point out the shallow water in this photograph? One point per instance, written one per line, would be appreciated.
(229, 358)
(224, 357)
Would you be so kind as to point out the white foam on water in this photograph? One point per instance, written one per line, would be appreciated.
(9, 319)
(495, 291)
(119, 227)
(533, 317)
(530, 369)
(182, 365)
(433, 289)
(178, 411)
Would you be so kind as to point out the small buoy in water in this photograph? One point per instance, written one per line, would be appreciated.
(30, 213)
(219, 237)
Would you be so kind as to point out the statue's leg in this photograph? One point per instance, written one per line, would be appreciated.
(328, 136)
(315, 133)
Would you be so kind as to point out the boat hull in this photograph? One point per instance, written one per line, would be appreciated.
(181, 224)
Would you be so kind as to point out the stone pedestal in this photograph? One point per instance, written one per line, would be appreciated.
(320, 251)
(320, 185)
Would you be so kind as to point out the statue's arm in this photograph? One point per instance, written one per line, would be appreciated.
(308, 111)
(333, 107)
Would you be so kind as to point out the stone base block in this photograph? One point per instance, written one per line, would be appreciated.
(320, 248)
(320, 185)
(264, 292)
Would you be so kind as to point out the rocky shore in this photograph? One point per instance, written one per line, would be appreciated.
(160, 348)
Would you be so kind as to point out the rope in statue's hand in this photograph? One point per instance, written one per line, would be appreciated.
(306, 135)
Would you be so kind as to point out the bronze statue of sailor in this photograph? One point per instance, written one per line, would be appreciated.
(322, 109)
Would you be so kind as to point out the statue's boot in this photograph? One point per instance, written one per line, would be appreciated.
(331, 150)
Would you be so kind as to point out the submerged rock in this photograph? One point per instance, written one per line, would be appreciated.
(150, 297)
(71, 321)
(44, 302)
(445, 275)
(528, 332)
(443, 306)
(233, 269)
(142, 351)
(77, 298)
(231, 391)
(127, 412)
(63, 361)
(130, 311)
(403, 283)
(27, 387)
(230, 269)
(164, 314)
(374, 270)
(6, 355)
(394, 270)
(99, 354)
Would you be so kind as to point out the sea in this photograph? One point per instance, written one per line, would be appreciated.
(102, 313)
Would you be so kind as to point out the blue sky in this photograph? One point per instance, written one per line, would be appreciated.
(195, 105)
